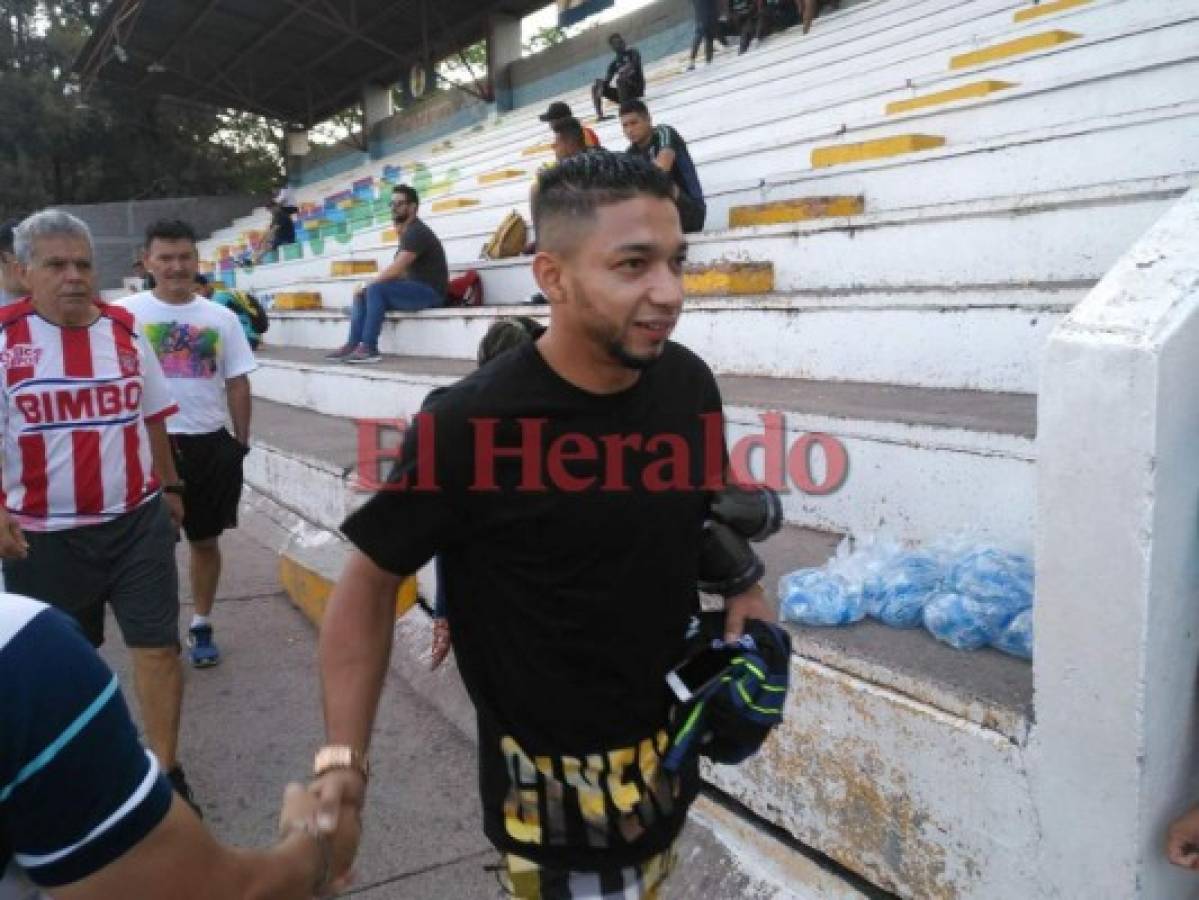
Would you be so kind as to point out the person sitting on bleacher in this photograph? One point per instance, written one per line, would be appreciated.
(560, 112)
(282, 231)
(416, 279)
(624, 81)
(666, 148)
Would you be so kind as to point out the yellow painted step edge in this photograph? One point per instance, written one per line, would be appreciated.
(537, 150)
(294, 300)
(353, 267)
(500, 175)
(799, 210)
(729, 278)
(1047, 9)
(1018, 47)
(310, 591)
(390, 236)
(822, 157)
(970, 91)
(454, 203)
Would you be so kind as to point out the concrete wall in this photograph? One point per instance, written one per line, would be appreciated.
(1117, 615)
(119, 228)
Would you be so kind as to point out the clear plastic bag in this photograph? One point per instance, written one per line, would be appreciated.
(818, 597)
(965, 622)
(907, 585)
(1016, 639)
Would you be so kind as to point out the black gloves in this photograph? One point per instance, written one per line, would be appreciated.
(753, 512)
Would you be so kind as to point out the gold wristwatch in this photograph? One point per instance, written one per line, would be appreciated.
(339, 756)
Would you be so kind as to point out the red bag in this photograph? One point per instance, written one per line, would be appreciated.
(465, 290)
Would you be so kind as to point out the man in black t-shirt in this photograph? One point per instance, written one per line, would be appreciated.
(665, 148)
(624, 80)
(564, 486)
(416, 279)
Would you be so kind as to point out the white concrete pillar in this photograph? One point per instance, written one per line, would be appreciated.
(1113, 752)
(503, 49)
(377, 104)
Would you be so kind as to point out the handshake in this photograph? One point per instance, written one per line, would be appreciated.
(320, 826)
(728, 565)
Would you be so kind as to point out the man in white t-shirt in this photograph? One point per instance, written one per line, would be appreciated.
(206, 357)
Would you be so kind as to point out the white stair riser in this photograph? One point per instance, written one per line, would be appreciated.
(983, 348)
(876, 780)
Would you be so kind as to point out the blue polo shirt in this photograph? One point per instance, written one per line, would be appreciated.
(77, 788)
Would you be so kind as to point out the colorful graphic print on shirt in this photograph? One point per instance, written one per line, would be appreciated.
(185, 351)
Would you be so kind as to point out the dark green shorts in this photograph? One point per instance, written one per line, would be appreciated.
(128, 564)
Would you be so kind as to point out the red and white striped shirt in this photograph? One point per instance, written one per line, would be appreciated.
(74, 409)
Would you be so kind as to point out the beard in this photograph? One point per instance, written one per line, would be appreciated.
(629, 360)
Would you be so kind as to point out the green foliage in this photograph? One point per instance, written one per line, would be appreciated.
(56, 147)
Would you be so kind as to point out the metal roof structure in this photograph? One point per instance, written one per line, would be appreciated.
(299, 61)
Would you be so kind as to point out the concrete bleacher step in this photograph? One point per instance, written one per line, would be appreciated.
(757, 104)
(984, 337)
(968, 711)
(966, 457)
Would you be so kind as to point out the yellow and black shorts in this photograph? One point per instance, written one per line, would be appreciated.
(524, 879)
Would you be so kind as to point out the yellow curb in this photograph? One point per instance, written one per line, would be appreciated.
(537, 150)
(841, 154)
(390, 236)
(1035, 12)
(454, 203)
(353, 267)
(724, 279)
(799, 210)
(500, 175)
(970, 91)
(297, 300)
(310, 591)
(1018, 47)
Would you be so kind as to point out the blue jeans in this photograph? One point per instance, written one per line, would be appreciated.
(366, 315)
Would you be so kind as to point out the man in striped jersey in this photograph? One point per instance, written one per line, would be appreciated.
(85, 813)
(84, 522)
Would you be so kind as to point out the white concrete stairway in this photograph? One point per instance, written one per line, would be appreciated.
(911, 332)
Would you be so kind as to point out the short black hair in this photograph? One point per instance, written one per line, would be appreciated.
(169, 230)
(578, 186)
(634, 106)
(571, 129)
(409, 192)
(7, 232)
(614, 36)
(201, 279)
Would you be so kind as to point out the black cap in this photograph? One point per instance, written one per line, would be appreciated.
(557, 110)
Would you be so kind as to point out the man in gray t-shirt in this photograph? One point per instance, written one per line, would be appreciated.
(416, 279)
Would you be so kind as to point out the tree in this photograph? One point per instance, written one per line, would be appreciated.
(57, 147)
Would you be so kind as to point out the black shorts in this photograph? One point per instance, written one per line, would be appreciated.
(210, 466)
(128, 564)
